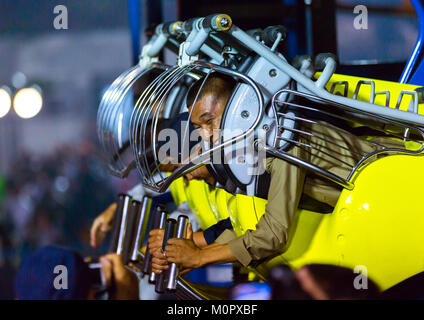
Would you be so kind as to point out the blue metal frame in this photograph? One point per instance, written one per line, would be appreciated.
(135, 28)
(414, 70)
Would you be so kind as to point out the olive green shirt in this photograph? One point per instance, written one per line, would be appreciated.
(288, 183)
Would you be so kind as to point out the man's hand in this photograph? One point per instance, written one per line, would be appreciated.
(102, 225)
(159, 262)
(122, 282)
(155, 239)
(183, 252)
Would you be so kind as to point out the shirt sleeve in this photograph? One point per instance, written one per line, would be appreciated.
(226, 237)
(212, 233)
(271, 231)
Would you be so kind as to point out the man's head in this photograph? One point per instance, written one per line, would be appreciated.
(206, 100)
(46, 274)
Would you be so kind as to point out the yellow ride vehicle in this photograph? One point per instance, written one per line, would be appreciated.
(377, 220)
(377, 224)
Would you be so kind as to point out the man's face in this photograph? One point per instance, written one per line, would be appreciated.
(206, 116)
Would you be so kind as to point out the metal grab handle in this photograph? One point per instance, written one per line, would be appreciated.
(169, 233)
(124, 201)
(173, 270)
(133, 216)
(141, 229)
(153, 224)
(162, 216)
(116, 222)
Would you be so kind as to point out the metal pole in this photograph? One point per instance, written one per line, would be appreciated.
(173, 270)
(134, 21)
(169, 233)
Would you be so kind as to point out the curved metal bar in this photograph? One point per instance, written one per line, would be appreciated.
(110, 117)
(105, 114)
(117, 106)
(104, 104)
(148, 107)
(169, 85)
(182, 285)
(365, 158)
(309, 166)
(153, 111)
(112, 99)
(350, 109)
(138, 118)
(205, 156)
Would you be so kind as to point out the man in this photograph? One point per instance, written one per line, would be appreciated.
(288, 183)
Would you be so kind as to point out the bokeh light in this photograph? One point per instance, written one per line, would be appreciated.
(5, 102)
(19, 80)
(27, 103)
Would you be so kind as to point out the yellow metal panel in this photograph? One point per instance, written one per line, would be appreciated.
(378, 224)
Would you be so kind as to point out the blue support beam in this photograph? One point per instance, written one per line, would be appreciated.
(135, 28)
(414, 70)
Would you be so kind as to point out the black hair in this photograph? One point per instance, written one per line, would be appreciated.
(216, 83)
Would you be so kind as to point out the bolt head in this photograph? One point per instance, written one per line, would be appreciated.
(224, 22)
(245, 114)
(272, 73)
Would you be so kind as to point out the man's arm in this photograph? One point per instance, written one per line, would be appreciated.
(102, 225)
(201, 240)
(184, 253)
(271, 231)
(156, 239)
(122, 283)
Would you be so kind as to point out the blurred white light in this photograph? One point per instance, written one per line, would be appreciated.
(27, 103)
(5, 102)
